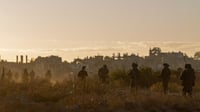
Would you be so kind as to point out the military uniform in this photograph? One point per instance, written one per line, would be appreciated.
(103, 74)
(165, 75)
(188, 79)
(25, 76)
(83, 73)
(82, 79)
(134, 75)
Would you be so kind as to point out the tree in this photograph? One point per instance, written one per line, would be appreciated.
(197, 55)
(155, 51)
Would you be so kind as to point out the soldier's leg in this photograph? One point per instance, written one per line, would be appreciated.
(184, 91)
(132, 84)
(164, 87)
(107, 80)
(190, 91)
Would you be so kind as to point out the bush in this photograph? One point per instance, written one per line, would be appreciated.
(120, 76)
(147, 77)
(173, 87)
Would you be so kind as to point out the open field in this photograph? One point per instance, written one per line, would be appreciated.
(73, 96)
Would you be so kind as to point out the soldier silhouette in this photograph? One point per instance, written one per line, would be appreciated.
(32, 76)
(83, 73)
(82, 79)
(165, 76)
(134, 75)
(103, 74)
(9, 76)
(25, 76)
(188, 79)
(48, 75)
(3, 74)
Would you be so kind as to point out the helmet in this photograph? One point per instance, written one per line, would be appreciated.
(188, 66)
(83, 67)
(166, 65)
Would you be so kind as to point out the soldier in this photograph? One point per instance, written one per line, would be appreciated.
(3, 74)
(16, 76)
(188, 79)
(25, 76)
(32, 76)
(48, 75)
(134, 75)
(83, 73)
(103, 74)
(165, 75)
(82, 79)
(9, 76)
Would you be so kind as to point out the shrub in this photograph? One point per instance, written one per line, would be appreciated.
(173, 87)
(120, 77)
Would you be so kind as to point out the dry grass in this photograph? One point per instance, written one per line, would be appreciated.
(73, 96)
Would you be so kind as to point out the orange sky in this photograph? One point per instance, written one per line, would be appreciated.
(71, 28)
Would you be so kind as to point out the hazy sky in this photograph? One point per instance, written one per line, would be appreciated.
(72, 28)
